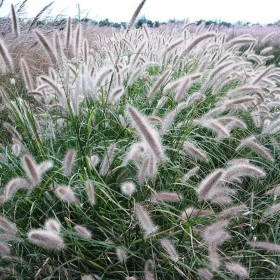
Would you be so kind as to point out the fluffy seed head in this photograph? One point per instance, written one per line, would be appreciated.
(145, 221)
(192, 212)
(232, 210)
(31, 169)
(121, 254)
(90, 192)
(149, 270)
(68, 162)
(148, 133)
(205, 273)
(215, 233)
(14, 185)
(66, 194)
(46, 239)
(93, 160)
(194, 152)
(7, 226)
(52, 225)
(108, 159)
(209, 182)
(128, 188)
(4, 249)
(166, 196)
(83, 231)
(237, 269)
(189, 174)
(170, 249)
(266, 246)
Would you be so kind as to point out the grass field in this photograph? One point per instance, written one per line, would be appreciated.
(148, 153)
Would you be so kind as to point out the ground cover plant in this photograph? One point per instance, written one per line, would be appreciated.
(150, 154)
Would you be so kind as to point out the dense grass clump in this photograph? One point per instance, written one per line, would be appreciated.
(153, 154)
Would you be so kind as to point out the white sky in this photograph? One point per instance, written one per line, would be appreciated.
(253, 11)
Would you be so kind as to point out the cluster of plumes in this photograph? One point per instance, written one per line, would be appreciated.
(205, 64)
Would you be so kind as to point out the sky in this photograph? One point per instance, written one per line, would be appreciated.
(253, 11)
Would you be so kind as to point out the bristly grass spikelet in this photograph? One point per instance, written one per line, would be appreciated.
(82, 231)
(107, 159)
(128, 188)
(194, 152)
(46, 239)
(166, 196)
(66, 194)
(145, 220)
(90, 192)
(68, 161)
(170, 249)
(121, 254)
(190, 212)
(31, 169)
(234, 210)
(209, 182)
(237, 269)
(14, 185)
(6, 56)
(149, 134)
(7, 225)
(189, 174)
(149, 273)
(135, 15)
(265, 246)
(15, 23)
(52, 225)
(4, 249)
(48, 47)
(205, 273)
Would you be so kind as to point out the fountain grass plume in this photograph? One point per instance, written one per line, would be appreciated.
(170, 249)
(68, 161)
(190, 212)
(15, 23)
(46, 239)
(7, 226)
(52, 225)
(121, 254)
(26, 75)
(48, 47)
(108, 159)
(231, 211)
(157, 85)
(214, 257)
(90, 192)
(4, 249)
(242, 169)
(31, 169)
(205, 273)
(6, 56)
(128, 188)
(149, 273)
(209, 182)
(268, 246)
(14, 185)
(135, 15)
(194, 152)
(145, 221)
(259, 149)
(166, 196)
(83, 231)
(148, 133)
(66, 194)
